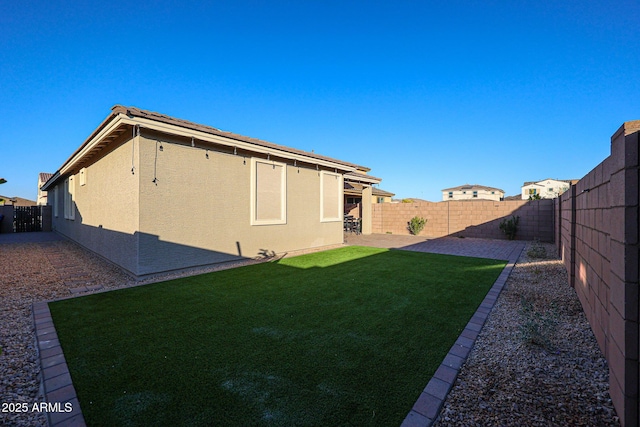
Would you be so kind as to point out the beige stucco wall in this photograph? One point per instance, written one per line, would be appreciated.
(198, 211)
(468, 195)
(107, 208)
(385, 199)
(547, 189)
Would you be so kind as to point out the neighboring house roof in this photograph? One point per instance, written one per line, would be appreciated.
(44, 177)
(17, 201)
(412, 200)
(354, 188)
(568, 181)
(122, 119)
(516, 197)
(468, 187)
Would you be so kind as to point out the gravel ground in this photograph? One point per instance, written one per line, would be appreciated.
(553, 375)
(28, 276)
(32, 272)
(536, 361)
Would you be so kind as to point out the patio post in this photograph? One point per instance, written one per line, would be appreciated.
(367, 214)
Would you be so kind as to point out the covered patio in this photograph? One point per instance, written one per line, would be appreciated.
(359, 195)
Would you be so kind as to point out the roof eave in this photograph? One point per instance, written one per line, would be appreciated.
(252, 144)
(124, 116)
(358, 177)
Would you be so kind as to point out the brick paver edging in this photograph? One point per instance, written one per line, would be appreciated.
(427, 408)
(55, 379)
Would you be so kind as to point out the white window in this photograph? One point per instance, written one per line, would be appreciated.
(69, 206)
(330, 197)
(268, 192)
(53, 196)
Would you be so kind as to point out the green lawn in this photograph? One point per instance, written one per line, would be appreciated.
(343, 337)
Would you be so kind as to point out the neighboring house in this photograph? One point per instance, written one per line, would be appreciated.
(546, 189)
(153, 193)
(355, 183)
(42, 195)
(16, 201)
(472, 192)
(410, 200)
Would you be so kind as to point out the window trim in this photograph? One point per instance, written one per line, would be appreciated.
(53, 194)
(69, 206)
(340, 199)
(254, 195)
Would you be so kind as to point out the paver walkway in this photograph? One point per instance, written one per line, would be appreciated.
(58, 386)
(74, 274)
(471, 247)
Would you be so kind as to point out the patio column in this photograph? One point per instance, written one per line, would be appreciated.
(367, 200)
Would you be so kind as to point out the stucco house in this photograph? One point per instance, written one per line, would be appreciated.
(472, 192)
(153, 193)
(546, 189)
(42, 195)
(15, 201)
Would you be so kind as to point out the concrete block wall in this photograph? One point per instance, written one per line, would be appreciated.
(6, 225)
(599, 246)
(468, 218)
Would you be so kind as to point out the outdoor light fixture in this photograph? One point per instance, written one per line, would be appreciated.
(160, 148)
(136, 132)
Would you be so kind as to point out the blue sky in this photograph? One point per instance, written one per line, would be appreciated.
(427, 94)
